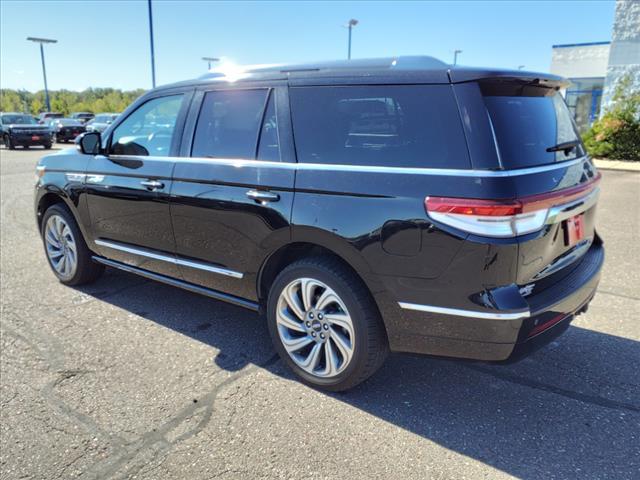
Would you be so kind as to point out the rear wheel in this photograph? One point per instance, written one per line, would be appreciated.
(67, 252)
(325, 325)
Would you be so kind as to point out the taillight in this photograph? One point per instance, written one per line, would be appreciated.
(503, 218)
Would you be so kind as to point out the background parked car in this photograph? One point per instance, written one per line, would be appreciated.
(66, 129)
(46, 117)
(23, 130)
(83, 117)
(101, 121)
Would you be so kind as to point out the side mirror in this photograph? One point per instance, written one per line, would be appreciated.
(89, 143)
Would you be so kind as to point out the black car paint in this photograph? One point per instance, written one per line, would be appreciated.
(24, 134)
(373, 221)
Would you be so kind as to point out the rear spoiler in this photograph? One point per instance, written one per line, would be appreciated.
(545, 80)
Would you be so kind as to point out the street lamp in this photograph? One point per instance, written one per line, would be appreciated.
(455, 56)
(352, 23)
(209, 60)
(153, 60)
(520, 67)
(42, 41)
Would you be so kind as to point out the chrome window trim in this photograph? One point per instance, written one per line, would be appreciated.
(466, 313)
(238, 163)
(164, 258)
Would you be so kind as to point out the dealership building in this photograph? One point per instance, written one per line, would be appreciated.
(595, 68)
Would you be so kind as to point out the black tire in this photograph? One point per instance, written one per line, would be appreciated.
(47, 146)
(87, 270)
(9, 143)
(371, 346)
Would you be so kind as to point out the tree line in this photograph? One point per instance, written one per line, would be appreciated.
(93, 100)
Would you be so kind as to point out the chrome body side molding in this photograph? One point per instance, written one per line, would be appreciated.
(241, 302)
(169, 259)
(466, 313)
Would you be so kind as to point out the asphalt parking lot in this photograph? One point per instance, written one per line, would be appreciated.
(132, 379)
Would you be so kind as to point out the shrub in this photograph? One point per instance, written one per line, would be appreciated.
(617, 134)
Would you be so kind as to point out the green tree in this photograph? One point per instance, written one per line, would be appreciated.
(10, 101)
(94, 100)
(617, 134)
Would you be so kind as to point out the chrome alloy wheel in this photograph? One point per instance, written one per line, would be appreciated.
(315, 327)
(61, 247)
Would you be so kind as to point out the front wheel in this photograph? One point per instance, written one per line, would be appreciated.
(9, 143)
(325, 325)
(67, 252)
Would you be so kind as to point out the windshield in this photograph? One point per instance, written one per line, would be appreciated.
(530, 126)
(18, 120)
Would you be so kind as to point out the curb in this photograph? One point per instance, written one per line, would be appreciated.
(617, 165)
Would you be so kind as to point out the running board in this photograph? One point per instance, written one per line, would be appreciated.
(225, 297)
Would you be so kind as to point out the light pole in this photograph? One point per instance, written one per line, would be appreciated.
(520, 67)
(153, 59)
(352, 23)
(42, 41)
(209, 60)
(455, 56)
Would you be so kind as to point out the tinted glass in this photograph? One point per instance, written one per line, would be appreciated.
(526, 126)
(228, 124)
(18, 120)
(396, 126)
(149, 129)
(269, 148)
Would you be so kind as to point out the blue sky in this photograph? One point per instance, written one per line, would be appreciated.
(106, 43)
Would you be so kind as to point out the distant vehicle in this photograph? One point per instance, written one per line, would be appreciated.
(21, 129)
(101, 121)
(66, 129)
(83, 117)
(46, 117)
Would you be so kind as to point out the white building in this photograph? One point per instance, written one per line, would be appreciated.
(585, 64)
(596, 68)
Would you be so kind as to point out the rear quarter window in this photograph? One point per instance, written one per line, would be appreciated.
(394, 126)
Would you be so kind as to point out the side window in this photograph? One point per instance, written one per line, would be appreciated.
(269, 148)
(149, 129)
(393, 125)
(228, 124)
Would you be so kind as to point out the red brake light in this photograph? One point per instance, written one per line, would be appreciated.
(462, 206)
(503, 218)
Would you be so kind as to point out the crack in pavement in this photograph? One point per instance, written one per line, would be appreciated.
(158, 436)
(155, 441)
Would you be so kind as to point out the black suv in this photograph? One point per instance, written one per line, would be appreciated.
(21, 129)
(363, 206)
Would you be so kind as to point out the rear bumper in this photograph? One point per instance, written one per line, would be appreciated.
(503, 334)
(68, 135)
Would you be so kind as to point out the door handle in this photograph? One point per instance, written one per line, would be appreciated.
(152, 184)
(263, 196)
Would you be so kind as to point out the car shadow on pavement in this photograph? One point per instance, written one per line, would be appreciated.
(570, 410)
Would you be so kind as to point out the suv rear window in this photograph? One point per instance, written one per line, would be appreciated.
(395, 126)
(529, 121)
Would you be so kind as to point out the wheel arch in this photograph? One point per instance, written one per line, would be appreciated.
(52, 196)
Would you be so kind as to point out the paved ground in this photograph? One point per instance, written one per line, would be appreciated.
(130, 378)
